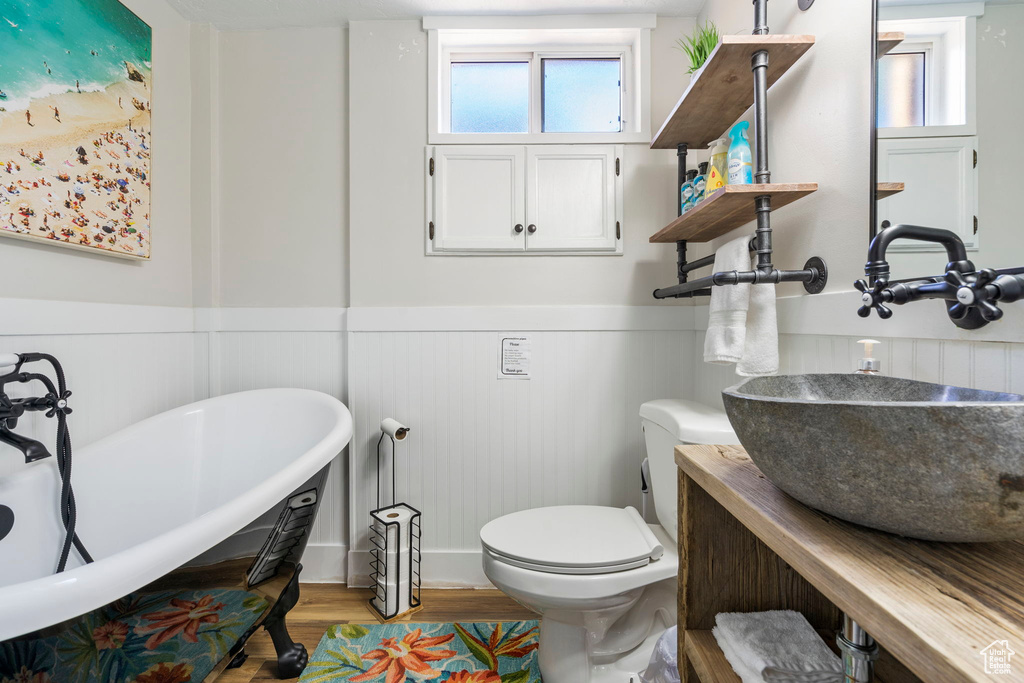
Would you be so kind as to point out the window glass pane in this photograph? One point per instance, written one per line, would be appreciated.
(581, 96)
(901, 90)
(490, 97)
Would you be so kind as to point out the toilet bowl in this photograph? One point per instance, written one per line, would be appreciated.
(602, 579)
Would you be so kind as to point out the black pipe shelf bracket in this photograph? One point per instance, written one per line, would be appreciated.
(814, 274)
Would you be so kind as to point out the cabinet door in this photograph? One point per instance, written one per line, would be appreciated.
(478, 199)
(941, 187)
(573, 198)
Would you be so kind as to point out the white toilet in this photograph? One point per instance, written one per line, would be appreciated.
(602, 580)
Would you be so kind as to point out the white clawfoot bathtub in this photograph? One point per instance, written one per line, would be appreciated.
(194, 486)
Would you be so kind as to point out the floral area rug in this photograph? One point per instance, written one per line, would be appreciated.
(171, 637)
(502, 652)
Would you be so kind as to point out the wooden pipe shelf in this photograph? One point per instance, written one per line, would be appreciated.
(719, 92)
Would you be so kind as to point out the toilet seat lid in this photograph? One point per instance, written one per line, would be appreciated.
(573, 539)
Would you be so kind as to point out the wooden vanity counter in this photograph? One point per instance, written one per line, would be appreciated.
(746, 546)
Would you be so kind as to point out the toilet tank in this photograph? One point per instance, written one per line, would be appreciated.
(668, 423)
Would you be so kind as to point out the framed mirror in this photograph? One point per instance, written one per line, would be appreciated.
(947, 140)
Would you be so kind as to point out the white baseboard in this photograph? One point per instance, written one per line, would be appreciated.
(324, 563)
(440, 569)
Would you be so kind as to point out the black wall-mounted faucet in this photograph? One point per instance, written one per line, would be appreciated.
(970, 294)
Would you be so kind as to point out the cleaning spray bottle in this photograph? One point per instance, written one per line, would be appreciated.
(741, 166)
(868, 365)
(718, 171)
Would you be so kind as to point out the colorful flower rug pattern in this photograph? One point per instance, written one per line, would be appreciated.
(502, 652)
(171, 637)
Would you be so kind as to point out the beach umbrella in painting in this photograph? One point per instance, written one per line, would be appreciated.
(81, 151)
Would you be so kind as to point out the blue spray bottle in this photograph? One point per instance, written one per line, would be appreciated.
(740, 164)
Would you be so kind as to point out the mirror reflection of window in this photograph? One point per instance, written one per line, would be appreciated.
(901, 90)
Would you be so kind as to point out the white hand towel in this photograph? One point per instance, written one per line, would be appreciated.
(761, 347)
(727, 324)
(742, 327)
(775, 646)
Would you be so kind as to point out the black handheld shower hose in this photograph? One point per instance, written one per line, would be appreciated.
(57, 403)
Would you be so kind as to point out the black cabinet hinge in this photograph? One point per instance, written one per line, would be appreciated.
(975, 225)
(430, 230)
(618, 166)
(431, 165)
(618, 230)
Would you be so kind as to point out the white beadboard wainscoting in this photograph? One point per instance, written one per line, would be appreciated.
(481, 447)
(246, 359)
(117, 380)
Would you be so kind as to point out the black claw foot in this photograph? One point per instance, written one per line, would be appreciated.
(238, 659)
(291, 661)
(291, 656)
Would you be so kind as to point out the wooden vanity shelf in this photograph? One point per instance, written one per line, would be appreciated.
(888, 41)
(727, 209)
(706, 658)
(745, 546)
(719, 92)
(888, 189)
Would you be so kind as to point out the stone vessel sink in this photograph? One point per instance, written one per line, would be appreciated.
(923, 460)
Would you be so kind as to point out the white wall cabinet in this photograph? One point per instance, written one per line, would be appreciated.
(534, 199)
(941, 186)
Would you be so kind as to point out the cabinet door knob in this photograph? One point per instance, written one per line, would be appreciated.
(518, 228)
(531, 228)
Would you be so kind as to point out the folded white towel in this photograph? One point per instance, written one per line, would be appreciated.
(775, 646)
(742, 327)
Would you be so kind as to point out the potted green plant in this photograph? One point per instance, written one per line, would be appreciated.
(700, 45)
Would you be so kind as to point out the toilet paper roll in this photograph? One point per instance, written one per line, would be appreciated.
(397, 537)
(394, 528)
(393, 428)
(395, 598)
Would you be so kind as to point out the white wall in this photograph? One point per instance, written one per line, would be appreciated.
(388, 101)
(280, 215)
(36, 271)
(818, 132)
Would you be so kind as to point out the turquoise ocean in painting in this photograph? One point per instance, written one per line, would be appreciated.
(64, 34)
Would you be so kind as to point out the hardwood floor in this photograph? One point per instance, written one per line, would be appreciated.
(324, 604)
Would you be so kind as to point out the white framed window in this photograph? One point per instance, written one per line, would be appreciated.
(530, 80)
(926, 85)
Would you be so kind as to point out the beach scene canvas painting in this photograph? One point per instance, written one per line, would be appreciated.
(75, 90)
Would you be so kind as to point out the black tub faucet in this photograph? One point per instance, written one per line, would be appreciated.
(970, 294)
(13, 409)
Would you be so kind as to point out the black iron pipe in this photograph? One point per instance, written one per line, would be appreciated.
(762, 243)
(873, 143)
(760, 17)
(699, 263)
(734, 277)
(759, 66)
(681, 150)
(681, 269)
